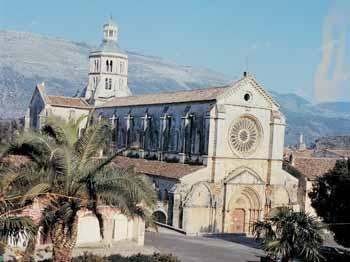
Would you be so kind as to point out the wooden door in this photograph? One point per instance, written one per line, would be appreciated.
(238, 219)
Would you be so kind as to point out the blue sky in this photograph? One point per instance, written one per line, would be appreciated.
(283, 41)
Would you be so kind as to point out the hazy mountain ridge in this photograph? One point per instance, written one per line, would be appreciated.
(27, 59)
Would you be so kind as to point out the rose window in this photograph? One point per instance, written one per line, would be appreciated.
(244, 135)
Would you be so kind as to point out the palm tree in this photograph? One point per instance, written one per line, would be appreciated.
(289, 235)
(73, 178)
(13, 226)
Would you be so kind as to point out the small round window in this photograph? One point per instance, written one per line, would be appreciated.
(247, 97)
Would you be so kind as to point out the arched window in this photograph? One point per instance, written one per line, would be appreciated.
(121, 67)
(110, 84)
(111, 65)
(107, 65)
(106, 83)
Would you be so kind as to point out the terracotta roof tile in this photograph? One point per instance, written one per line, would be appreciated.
(65, 101)
(314, 167)
(157, 168)
(197, 95)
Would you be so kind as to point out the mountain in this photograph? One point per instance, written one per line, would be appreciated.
(339, 107)
(27, 59)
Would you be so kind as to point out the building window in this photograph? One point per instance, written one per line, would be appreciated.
(110, 84)
(121, 67)
(106, 83)
(111, 65)
(98, 65)
(110, 32)
(107, 65)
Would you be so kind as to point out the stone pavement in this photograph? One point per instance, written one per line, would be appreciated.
(205, 249)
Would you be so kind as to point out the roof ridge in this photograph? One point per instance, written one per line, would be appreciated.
(200, 94)
(65, 97)
(183, 91)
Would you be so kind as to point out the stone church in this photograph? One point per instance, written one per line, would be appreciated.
(214, 155)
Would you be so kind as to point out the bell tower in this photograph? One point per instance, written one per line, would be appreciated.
(108, 70)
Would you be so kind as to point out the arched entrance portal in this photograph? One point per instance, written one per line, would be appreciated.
(244, 211)
(159, 216)
(238, 219)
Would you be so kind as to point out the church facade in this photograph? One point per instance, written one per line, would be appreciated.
(214, 155)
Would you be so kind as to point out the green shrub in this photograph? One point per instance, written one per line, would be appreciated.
(88, 257)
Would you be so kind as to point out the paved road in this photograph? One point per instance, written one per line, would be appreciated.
(201, 249)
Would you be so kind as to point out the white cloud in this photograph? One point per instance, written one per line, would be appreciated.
(329, 45)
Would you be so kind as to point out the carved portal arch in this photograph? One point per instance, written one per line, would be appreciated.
(244, 175)
(247, 198)
(243, 209)
(200, 195)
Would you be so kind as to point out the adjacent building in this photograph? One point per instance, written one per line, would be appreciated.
(310, 163)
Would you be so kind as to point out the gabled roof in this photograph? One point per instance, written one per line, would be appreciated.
(314, 167)
(262, 90)
(41, 90)
(249, 79)
(157, 168)
(65, 101)
(198, 95)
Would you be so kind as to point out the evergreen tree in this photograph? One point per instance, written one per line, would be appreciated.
(330, 198)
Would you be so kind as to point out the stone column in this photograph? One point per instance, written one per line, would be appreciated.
(250, 221)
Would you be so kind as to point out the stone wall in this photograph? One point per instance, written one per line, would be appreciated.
(164, 132)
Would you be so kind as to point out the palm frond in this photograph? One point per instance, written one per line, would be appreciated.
(65, 133)
(35, 191)
(124, 189)
(36, 146)
(89, 143)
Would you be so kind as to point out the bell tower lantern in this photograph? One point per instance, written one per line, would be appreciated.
(108, 71)
(110, 32)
